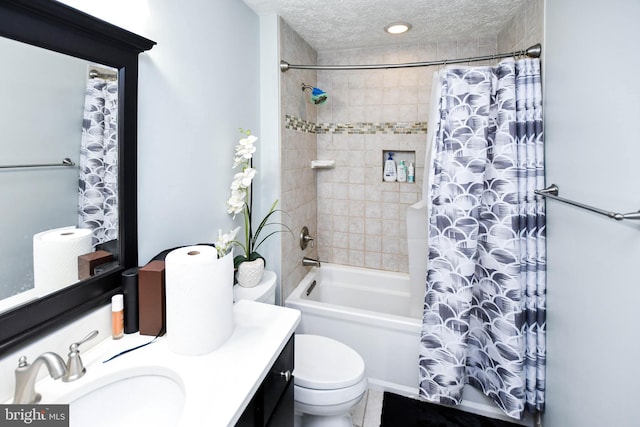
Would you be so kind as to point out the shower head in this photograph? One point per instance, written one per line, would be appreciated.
(317, 96)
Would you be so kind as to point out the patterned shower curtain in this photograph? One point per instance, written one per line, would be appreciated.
(484, 309)
(98, 181)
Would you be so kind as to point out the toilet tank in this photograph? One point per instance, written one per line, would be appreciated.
(265, 291)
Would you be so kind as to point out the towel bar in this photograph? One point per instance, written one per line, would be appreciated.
(553, 190)
(65, 162)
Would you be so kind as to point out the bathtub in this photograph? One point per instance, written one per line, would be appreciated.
(369, 310)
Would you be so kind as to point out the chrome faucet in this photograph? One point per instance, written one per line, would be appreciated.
(26, 376)
(310, 262)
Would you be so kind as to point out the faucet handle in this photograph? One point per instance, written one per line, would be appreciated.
(305, 238)
(90, 335)
(75, 368)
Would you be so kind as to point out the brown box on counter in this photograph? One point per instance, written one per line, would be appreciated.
(151, 299)
(88, 262)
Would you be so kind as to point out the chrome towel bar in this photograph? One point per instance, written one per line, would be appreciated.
(65, 162)
(552, 191)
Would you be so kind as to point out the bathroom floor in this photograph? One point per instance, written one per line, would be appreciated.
(367, 412)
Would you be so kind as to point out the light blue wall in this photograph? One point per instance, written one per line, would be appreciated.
(197, 87)
(268, 186)
(591, 117)
(41, 105)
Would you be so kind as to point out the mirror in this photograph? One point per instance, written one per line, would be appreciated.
(72, 39)
(48, 114)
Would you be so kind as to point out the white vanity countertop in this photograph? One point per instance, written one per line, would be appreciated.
(218, 386)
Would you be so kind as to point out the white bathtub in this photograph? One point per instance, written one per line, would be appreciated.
(369, 311)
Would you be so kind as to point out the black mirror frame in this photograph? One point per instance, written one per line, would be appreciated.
(58, 27)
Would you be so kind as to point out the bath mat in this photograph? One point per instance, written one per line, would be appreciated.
(400, 411)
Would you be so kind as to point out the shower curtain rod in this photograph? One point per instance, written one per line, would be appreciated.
(552, 192)
(107, 76)
(532, 52)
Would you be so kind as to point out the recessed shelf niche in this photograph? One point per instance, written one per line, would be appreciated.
(398, 155)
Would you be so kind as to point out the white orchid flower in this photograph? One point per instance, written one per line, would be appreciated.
(235, 204)
(248, 175)
(239, 201)
(224, 241)
(245, 150)
(236, 184)
(249, 141)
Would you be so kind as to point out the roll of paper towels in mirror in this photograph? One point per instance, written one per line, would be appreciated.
(199, 292)
(55, 257)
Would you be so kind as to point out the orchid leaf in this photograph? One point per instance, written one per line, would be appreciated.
(239, 259)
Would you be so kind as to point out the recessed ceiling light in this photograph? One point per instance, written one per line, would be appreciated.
(397, 28)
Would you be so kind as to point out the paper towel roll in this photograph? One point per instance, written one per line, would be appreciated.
(199, 291)
(55, 257)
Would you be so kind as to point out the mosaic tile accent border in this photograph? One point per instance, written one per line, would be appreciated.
(359, 128)
(296, 123)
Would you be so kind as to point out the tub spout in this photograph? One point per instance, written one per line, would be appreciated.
(310, 262)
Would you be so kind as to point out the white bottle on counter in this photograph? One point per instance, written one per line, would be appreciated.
(402, 172)
(390, 169)
(411, 174)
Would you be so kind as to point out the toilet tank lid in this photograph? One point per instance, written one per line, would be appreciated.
(323, 363)
(266, 287)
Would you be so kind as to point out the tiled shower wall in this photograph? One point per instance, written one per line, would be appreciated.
(298, 197)
(361, 218)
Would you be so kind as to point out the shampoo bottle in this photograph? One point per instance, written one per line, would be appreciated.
(402, 172)
(411, 174)
(390, 169)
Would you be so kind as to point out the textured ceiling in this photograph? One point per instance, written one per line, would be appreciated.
(341, 24)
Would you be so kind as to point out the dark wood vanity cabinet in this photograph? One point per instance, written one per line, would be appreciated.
(272, 405)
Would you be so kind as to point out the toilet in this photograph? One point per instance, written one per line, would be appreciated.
(329, 377)
(329, 380)
(265, 291)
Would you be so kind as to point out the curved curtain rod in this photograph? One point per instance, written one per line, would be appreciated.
(107, 76)
(532, 52)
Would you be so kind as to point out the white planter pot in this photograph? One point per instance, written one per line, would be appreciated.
(250, 273)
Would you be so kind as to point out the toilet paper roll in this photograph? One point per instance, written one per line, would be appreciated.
(55, 257)
(199, 292)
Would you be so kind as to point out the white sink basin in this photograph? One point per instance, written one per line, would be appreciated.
(137, 399)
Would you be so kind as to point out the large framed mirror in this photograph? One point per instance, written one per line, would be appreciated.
(50, 54)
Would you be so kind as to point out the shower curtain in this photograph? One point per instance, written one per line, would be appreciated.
(484, 307)
(98, 180)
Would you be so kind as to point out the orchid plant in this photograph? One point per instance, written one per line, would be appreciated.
(240, 201)
(224, 242)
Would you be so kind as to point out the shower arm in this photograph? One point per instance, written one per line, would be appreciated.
(531, 52)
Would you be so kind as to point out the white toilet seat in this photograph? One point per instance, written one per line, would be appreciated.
(327, 372)
(313, 397)
(322, 363)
